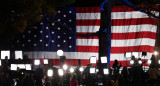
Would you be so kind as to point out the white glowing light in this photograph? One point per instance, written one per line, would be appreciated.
(60, 53)
(50, 72)
(60, 71)
(65, 67)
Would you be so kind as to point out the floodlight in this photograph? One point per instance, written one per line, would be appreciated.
(13, 66)
(22, 72)
(18, 54)
(28, 66)
(60, 53)
(97, 70)
(21, 66)
(65, 67)
(128, 54)
(135, 54)
(149, 61)
(140, 62)
(45, 61)
(81, 69)
(158, 61)
(4, 54)
(92, 70)
(36, 62)
(71, 70)
(155, 53)
(105, 71)
(93, 59)
(0, 63)
(132, 62)
(50, 72)
(60, 71)
(104, 59)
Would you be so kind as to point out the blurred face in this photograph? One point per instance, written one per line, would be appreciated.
(6, 57)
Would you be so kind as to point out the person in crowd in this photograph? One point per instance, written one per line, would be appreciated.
(153, 71)
(116, 66)
(73, 80)
(110, 71)
(43, 80)
(6, 65)
(125, 72)
(136, 74)
(28, 81)
(123, 80)
(8, 80)
(89, 78)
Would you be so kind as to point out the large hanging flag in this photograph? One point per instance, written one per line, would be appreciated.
(59, 32)
(132, 31)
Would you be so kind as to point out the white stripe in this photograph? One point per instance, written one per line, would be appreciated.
(133, 28)
(87, 28)
(53, 55)
(87, 16)
(132, 42)
(121, 57)
(87, 42)
(129, 15)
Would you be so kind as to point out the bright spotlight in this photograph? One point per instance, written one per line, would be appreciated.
(4, 54)
(149, 62)
(155, 53)
(81, 69)
(28, 66)
(0, 63)
(105, 71)
(132, 62)
(60, 72)
(45, 61)
(136, 54)
(18, 54)
(93, 59)
(36, 62)
(92, 70)
(71, 70)
(158, 61)
(104, 59)
(139, 62)
(14, 66)
(128, 54)
(60, 53)
(50, 72)
(97, 70)
(21, 66)
(65, 67)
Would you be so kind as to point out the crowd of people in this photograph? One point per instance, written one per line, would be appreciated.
(132, 76)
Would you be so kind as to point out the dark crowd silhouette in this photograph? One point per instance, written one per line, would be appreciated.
(117, 75)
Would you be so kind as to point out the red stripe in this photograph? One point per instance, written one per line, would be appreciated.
(127, 63)
(89, 22)
(69, 62)
(133, 35)
(134, 21)
(94, 37)
(88, 10)
(121, 9)
(127, 9)
(144, 48)
(87, 49)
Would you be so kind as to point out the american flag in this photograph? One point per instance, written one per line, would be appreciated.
(59, 32)
(131, 31)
